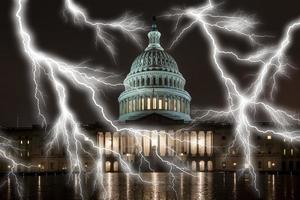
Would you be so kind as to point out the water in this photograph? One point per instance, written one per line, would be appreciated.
(122, 186)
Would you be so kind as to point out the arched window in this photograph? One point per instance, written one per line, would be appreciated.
(143, 81)
(194, 166)
(143, 103)
(202, 166)
(107, 166)
(116, 166)
(159, 81)
(148, 81)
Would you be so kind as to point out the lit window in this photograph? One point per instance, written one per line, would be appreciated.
(166, 104)
(148, 103)
(269, 137)
(233, 152)
(133, 105)
(160, 104)
(28, 154)
(174, 105)
(269, 164)
(284, 151)
(154, 102)
(292, 152)
(234, 164)
(224, 164)
(130, 106)
(21, 141)
(273, 164)
(28, 142)
(143, 104)
(21, 154)
(8, 166)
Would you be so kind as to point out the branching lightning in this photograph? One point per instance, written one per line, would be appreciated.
(242, 104)
(66, 128)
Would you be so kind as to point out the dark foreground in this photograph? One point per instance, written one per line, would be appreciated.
(122, 186)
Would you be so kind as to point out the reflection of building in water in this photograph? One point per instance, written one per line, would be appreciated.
(155, 99)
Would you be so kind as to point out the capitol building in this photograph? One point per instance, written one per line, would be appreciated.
(155, 100)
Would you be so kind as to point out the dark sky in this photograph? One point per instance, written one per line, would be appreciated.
(55, 35)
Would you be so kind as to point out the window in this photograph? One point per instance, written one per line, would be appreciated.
(269, 151)
(269, 137)
(28, 154)
(148, 103)
(28, 142)
(178, 104)
(160, 104)
(130, 106)
(223, 137)
(258, 137)
(259, 164)
(133, 105)
(284, 152)
(174, 104)
(269, 164)
(21, 142)
(224, 165)
(292, 152)
(234, 164)
(51, 165)
(154, 102)
(143, 103)
(166, 104)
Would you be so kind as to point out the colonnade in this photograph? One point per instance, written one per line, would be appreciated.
(141, 103)
(170, 143)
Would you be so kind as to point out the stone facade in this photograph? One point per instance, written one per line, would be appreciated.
(205, 148)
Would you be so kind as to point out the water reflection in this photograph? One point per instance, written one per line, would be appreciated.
(202, 185)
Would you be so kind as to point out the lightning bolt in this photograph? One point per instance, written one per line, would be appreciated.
(66, 129)
(242, 104)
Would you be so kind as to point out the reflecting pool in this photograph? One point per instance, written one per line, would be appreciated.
(123, 186)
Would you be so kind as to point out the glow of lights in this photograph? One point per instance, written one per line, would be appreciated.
(66, 127)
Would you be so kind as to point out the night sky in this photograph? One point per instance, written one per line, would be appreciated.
(58, 36)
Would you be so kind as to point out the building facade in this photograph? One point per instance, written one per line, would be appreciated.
(155, 100)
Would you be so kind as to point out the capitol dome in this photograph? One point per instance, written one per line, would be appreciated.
(154, 85)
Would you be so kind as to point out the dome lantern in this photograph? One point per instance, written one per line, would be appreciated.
(154, 37)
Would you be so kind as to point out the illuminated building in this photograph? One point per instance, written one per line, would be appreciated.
(155, 99)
